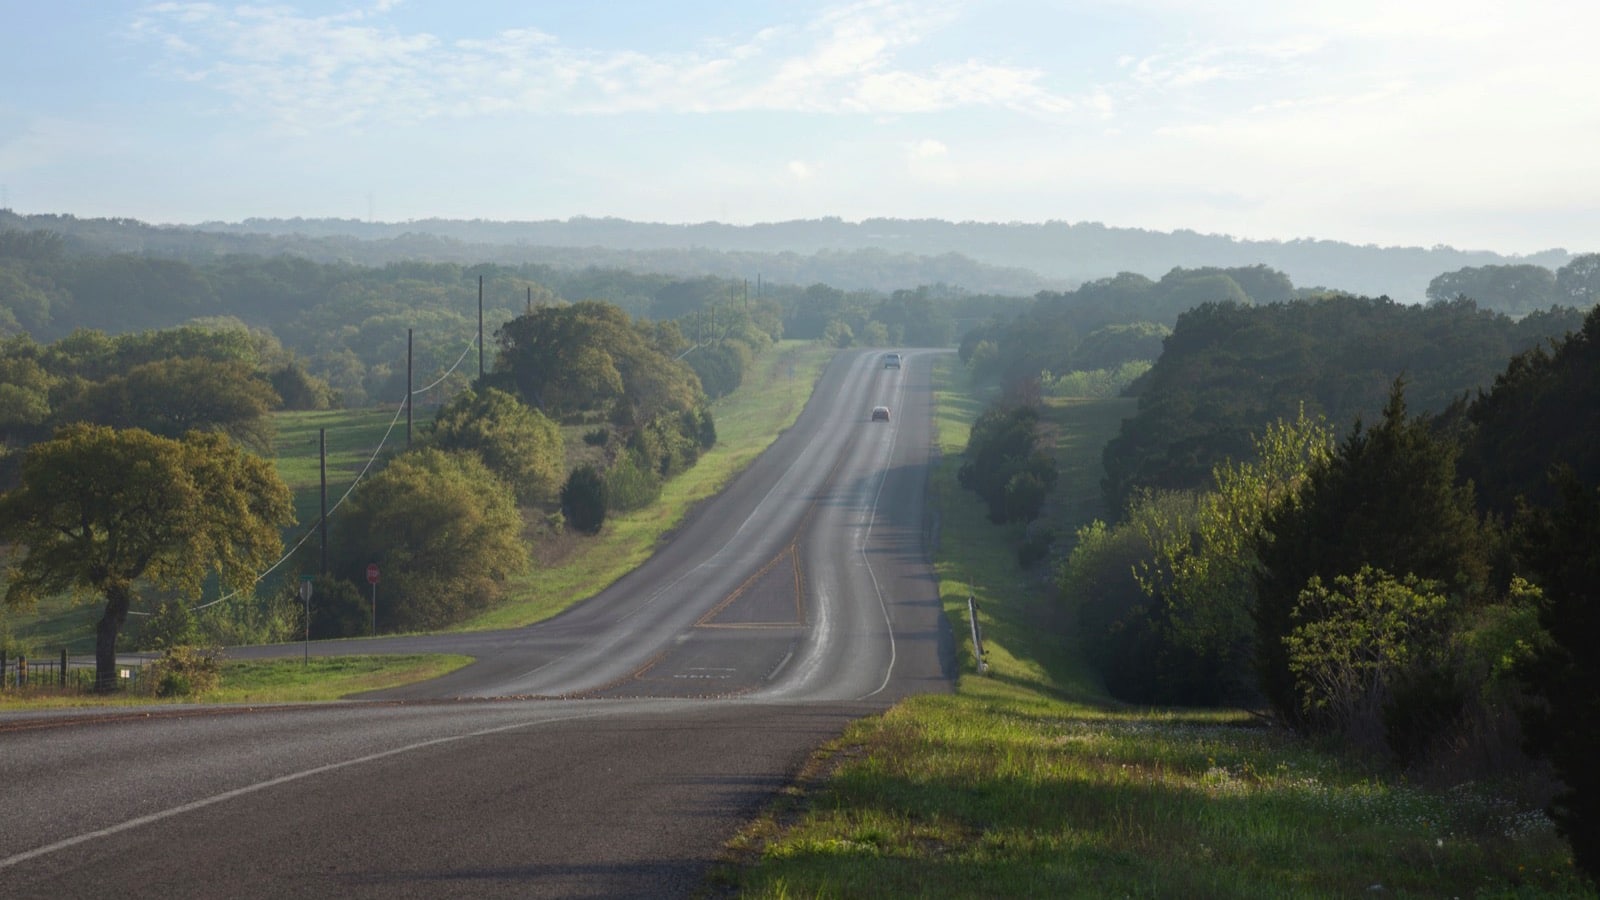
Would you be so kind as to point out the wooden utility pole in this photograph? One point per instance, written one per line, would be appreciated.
(322, 523)
(408, 388)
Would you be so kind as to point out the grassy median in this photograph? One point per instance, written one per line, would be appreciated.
(1031, 782)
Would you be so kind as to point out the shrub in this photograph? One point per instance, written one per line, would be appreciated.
(517, 443)
(628, 486)
(1004, 465)
(583, 499)
(1350, 648)
(185, 671)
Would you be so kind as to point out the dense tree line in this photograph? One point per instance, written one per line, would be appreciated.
(1227, 370)
(220, 377)
(1108, 322)
(1365, 588)
(349, 325)
(1523, 288)
(874, 254)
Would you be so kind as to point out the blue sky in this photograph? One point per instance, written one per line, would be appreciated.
(1411, 122)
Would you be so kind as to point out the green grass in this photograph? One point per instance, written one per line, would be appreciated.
(1031, 782)
(353, 436)
(269, 681)
(326, 678)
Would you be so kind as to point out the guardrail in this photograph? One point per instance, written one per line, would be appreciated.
(977, 635)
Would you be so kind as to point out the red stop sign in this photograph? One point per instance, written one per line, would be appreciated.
(372, 573)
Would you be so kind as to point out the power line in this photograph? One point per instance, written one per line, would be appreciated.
(367, 467)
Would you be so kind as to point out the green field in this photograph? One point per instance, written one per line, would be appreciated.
(1031, 782)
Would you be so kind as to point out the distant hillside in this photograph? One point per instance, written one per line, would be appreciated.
(877, 254)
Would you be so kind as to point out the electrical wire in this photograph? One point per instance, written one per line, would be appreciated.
(367, 467)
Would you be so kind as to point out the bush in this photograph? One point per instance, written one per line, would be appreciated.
(630, 487)
(517, 443)
(583, 500)
(597, 437)
(185, 671)
(1355, 644)
(1004, 465)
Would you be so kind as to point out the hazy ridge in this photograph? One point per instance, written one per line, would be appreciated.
(875, 254)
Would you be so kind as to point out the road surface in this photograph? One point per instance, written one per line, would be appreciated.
(608, 752)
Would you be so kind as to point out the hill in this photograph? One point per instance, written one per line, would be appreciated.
(1014, 258)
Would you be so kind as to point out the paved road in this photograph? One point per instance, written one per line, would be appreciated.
(608, 752)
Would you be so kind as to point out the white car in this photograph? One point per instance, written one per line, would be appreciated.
(880, 414)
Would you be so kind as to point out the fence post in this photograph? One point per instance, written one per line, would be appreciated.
(62, 681)
(2, 669)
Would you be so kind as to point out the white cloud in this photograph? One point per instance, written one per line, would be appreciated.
(800, 170)
(306, 71)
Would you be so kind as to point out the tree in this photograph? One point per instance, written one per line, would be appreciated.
(24, 389)
(1578, 282)
(1387, 498)
(99, 510)
(1512, 289)
(299, 389)
(516, 442)
(1539, 413)
(591, 356)
(583, 499)
(1005, 465)
(445, 531)
(170, 397)
(1202, 567)
(1560, 546)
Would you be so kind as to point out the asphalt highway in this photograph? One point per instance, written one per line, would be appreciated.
(607, 752)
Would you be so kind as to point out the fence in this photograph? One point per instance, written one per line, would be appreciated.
(62, 673)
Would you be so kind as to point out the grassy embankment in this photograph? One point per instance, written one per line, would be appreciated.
(1031, 782)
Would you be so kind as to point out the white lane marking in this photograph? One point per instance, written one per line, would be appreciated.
(789, 475)
(866, 537)
(263, 785)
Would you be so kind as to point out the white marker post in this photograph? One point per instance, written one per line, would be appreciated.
(372, 579)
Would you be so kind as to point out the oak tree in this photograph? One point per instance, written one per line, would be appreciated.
(100, 511)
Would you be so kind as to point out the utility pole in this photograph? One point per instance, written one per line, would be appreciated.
(408, 388)
(322, 523)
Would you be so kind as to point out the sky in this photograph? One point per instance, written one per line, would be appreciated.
(1466, 123)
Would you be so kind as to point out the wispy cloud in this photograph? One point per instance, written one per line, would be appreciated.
(301, 72)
